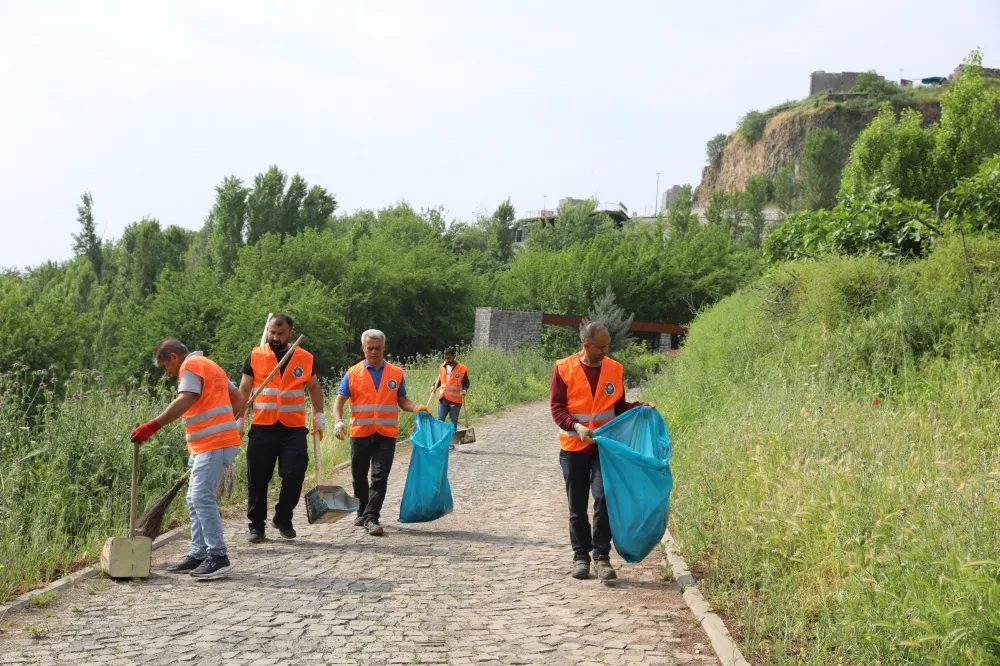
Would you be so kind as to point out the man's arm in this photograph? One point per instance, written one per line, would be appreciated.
(465, 381)
(176, 408)
(246, 382)
(338, 407)
(316, 396)
(408, 405)
(557, 402)
(237, 398)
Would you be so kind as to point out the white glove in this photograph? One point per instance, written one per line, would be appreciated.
(339, 429)
(583, 432)
(239, 424)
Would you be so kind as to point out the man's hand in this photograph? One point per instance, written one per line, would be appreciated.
(319, 424)
(239, 424)
(583, 432)
(421, 408)
(648, 404)
(145, 431)
(339, 429)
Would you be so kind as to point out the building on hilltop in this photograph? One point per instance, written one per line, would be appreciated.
(835, 82)
(617, 211)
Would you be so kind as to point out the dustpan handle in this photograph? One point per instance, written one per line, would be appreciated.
(465, 412)
(135, 489)
(317, 457)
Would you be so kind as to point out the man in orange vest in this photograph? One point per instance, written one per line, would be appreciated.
(453, 380)
(206, 401)
(278, 431)
(377, 392)
(587, 390)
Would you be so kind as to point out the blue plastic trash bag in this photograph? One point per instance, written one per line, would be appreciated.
(427, 493)
(635, 464)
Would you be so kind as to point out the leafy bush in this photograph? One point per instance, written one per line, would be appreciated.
(639, 363)
(751, 126)
(976, 200)
(871, 84)
(786, 190)
(714, 149)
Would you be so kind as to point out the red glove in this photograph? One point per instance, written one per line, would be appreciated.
(145, 431)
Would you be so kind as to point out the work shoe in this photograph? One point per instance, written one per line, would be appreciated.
(286, 529)
(604, 570)
(581, 569)
(373, 527)
(187, 564)
(255, 535)
(213, 567)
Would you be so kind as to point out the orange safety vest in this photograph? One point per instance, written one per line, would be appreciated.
(374, 411)
(591, 409)
(451, 387)
(284, 399)
(209, 423)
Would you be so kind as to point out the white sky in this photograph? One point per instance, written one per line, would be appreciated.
(149, 105)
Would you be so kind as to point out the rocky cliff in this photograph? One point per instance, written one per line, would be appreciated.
(783, 139)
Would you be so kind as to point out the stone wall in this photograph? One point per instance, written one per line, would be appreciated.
(833, 81)
(506, 328)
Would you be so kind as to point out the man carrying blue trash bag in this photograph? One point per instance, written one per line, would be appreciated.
(623, 462)
(427, 493)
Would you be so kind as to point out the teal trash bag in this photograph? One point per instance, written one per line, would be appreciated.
(427, 493)
(635, 464)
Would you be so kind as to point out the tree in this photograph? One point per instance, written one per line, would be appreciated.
(86, 243)
(871, 84)
(228, 220)
(752, 201)
(679, 217)
(614, 319)
(822, 162)
(969, 131)
(714, 149)
(751, 126)
(500, 230)
(271, 208)
(785, 188)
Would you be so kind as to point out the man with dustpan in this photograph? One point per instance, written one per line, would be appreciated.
(206, 402)
(453, 382)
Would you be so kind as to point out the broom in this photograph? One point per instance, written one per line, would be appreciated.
(150, 523)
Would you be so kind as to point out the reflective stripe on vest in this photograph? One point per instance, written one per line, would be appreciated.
(209, 423)
(591, 408)
(374, 411)
(283, 401)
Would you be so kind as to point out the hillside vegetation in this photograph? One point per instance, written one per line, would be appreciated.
(835, 450)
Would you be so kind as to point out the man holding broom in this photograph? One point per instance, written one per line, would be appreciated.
(206, 402)
(278, 431)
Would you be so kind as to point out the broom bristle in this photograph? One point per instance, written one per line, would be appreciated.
(227, 483)
(150, 523)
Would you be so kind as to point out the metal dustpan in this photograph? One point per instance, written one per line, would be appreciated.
(327, 504)
(466, 435)
(131, 556)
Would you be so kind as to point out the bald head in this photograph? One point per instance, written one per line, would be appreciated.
(596, 342)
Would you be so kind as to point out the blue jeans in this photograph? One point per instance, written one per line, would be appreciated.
(447, 408)
(206, 521)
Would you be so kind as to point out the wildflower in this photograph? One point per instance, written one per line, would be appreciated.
(84, 397)
(17, 383)
(41, 384)
(131, 405)
(17, 460)
(2, 403)
(121, 388)
(875, 402)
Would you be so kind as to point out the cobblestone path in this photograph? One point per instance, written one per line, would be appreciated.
(486, 584)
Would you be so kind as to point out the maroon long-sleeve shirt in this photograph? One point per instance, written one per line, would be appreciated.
(557, 400)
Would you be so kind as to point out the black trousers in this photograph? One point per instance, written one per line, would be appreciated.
(265, 446)
(375, 453)
(582, 473)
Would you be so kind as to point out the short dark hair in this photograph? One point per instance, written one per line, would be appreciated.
(449, 350)
(167, 347)
(282, 318)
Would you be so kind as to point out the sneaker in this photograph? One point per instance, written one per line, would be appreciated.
(187, 564)
(213, 567)
(581, 569)
(255, 535)
(359, 521)
(604, 570)
(373, 527)
(286, 529)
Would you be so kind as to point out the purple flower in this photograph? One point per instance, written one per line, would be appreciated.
(145, 373)
(100, 378)
(121, 388)
(10, 372)
(17, 383)
(41, 384)
(84, 397)
(131, 405)
(2, 403)
(17, 460)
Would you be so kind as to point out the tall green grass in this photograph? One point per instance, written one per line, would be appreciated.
(65, 455)
(835, 451)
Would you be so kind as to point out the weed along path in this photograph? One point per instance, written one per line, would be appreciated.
(486, 584)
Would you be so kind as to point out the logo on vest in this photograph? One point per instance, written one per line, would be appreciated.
(297, 372)
(609, 388)
(392, 385)
(456, 375)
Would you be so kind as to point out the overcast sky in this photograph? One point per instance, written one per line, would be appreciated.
(458, 104)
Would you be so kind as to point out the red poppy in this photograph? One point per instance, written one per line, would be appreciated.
(875, 402)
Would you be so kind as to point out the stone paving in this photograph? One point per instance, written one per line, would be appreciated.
(486, 584)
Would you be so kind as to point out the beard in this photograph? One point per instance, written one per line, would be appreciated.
(277, 347)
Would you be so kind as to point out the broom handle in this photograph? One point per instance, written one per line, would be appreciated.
(465, 412)
(135, 490)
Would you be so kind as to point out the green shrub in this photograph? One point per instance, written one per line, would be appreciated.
(751, 126)
(714, 149)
